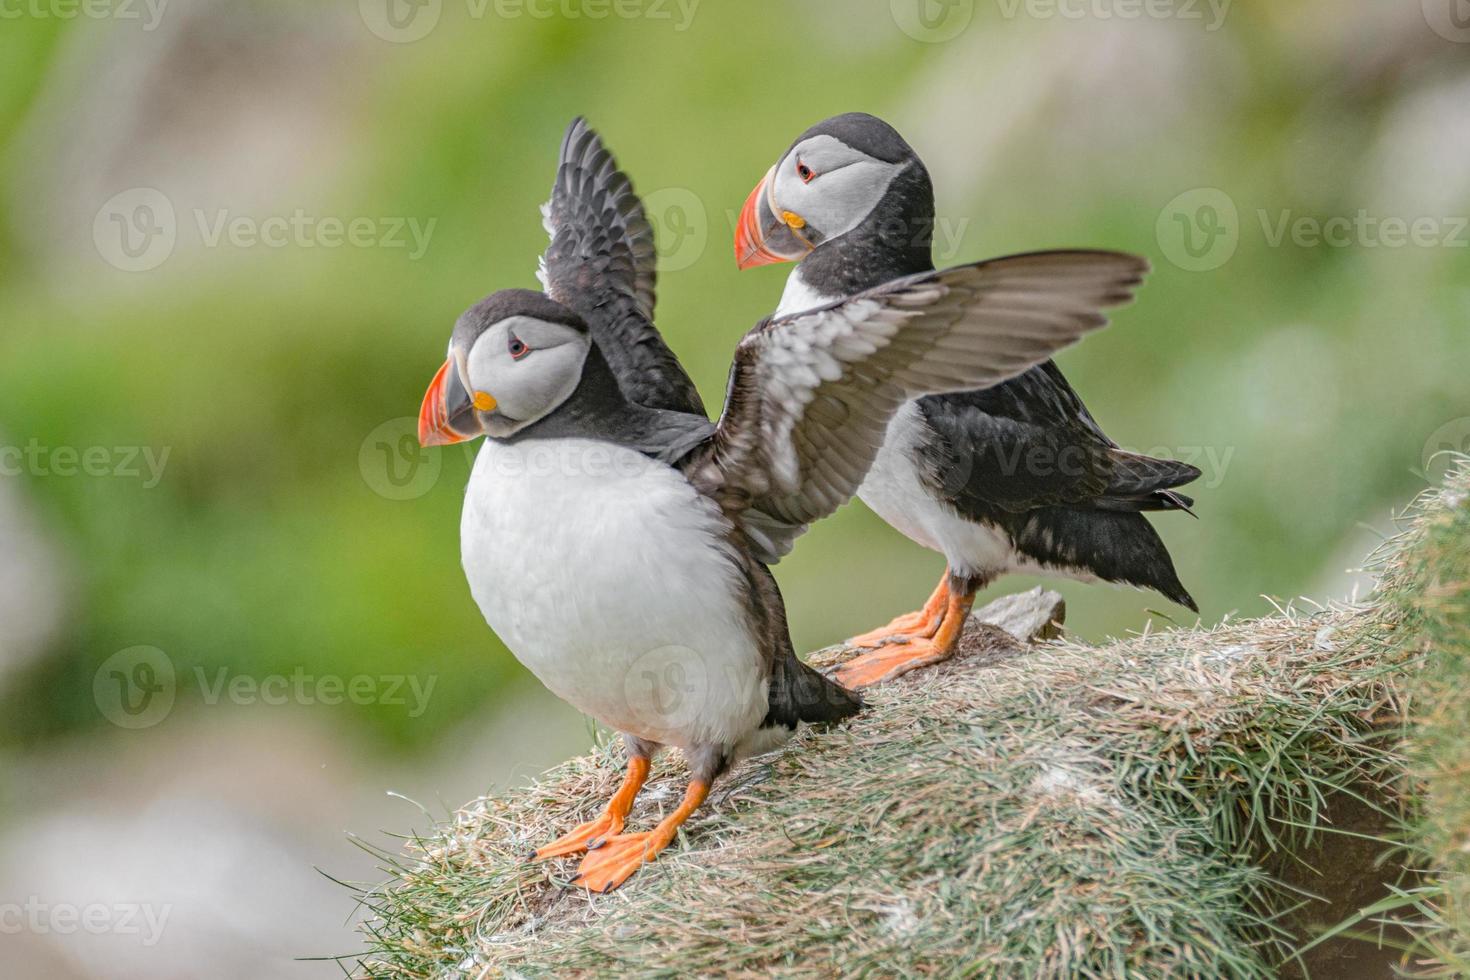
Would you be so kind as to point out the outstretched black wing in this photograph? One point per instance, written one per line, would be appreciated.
(601, 263)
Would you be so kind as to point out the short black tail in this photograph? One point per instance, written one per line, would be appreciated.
(799, 693)
(1144, 483)
(1115, 545)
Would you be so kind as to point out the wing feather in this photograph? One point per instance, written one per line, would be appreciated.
(602, 263)
(810, 395)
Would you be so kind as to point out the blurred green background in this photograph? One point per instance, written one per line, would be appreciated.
(292, 529)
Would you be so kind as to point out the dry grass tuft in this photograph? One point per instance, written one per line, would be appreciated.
(1171, 804)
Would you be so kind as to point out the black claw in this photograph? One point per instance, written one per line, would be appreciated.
(532, 856)
(595, 843)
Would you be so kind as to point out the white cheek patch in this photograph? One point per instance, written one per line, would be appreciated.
(848, 186)
(532, 387)
(838, 202)
(545, 379)
(482, 365)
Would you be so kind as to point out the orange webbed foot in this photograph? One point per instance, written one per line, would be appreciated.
(889, 662)
(580, 838)
(610, 822)
(901, 628)
(909, 626)
(895, 660)
(616, 858)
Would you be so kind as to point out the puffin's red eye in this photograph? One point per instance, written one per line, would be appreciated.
(804, 172)
(517, 348)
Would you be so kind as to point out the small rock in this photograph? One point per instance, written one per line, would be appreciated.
(1034, 615)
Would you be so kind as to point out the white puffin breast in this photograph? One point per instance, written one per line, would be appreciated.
(895, 490)
(611, 579)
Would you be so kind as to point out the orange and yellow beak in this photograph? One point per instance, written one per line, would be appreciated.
(448, 415)
(764, 236)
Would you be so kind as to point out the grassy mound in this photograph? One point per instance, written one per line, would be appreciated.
(1428, 583)
(1193, 802)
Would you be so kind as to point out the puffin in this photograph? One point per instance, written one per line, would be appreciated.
(1016, 477)
(619, 542)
